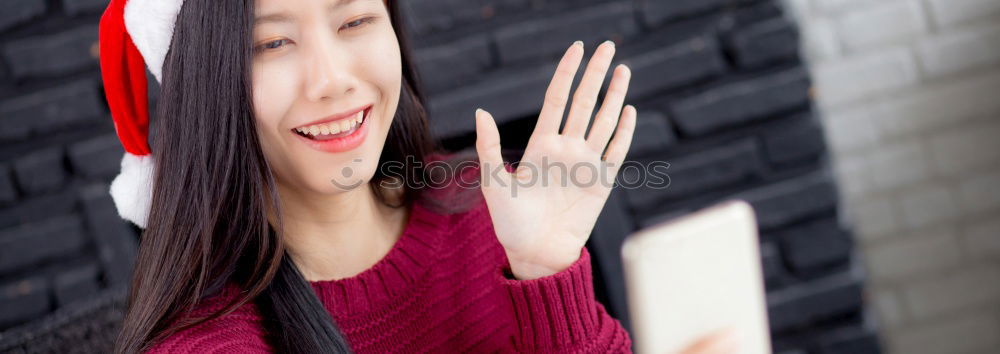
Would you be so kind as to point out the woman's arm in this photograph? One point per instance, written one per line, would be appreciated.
(558, 313)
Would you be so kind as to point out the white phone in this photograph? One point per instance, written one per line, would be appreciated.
(696, 274)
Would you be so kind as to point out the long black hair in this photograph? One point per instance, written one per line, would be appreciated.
(213, 191)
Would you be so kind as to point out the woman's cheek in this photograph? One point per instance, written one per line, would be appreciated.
(272, 93)
(271, 102)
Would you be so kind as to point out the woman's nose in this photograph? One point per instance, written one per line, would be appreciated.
(328, 71)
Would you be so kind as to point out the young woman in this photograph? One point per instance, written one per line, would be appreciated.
(274, 226)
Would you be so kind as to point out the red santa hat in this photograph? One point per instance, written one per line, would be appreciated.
(134, 34)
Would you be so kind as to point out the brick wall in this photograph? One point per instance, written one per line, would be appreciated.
(721, 91)
(722, 96)
(65, 255)
(908, 91)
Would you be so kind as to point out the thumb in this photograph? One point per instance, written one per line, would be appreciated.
(488, 146)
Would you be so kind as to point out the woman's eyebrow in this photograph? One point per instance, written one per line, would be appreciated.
(284, 17)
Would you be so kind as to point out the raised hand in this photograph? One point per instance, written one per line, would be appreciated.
(544, 211)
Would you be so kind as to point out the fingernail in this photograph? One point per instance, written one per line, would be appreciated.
(578, 43)
(611, 42)
(478, 111)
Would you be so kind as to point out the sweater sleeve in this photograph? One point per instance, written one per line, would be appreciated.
(559, 313)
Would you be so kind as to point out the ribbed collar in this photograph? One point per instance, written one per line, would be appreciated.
(395, 275)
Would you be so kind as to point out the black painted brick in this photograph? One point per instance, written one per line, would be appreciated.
(853, 339)
(741, 102)
(815, 244)
(39, 241)
(8, 191)
(652, 133)
(448, 65)
(670, 66)
(34, 208)
(23, 300)
(76, 7)
(773, 267)
(20, 11)
(784, 202)
(115, 240)
(60, 108)
(40, 171)
(657, 12)
(53, 54)
(507, 95)
(807, 303)
(98, 157)
(795, 138)
(549, 36)
(718, 167)
(764, 42)
(425, 16)
(75, 284)
(13, 127)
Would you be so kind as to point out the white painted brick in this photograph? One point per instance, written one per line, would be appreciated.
(934, 106)
(899, 164)
(967, 147)
(837, 7)
(952, 12)
(820, 40)
(926, 205)
(874, 218)
(800, 9)
(910, 256)
(955, 52)
(975, 333)
(854, 176)
(880, 24)
(980, 193)
(969, 288)
(889, 307)
(982, 239)
(851, 129)
(851, 79)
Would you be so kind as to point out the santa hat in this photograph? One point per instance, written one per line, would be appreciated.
(134, 34)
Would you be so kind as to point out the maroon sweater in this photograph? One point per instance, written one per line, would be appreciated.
(441, 288)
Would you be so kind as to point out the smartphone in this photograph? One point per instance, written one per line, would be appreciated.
(693, 275)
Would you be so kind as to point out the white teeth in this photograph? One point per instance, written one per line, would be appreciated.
(333, 127)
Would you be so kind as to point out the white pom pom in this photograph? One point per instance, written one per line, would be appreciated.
(132, 189)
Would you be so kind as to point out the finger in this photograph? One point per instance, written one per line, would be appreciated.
(619, 145)
(488, 145)
(724, 341)
(585, 98)
(558, 92)
(607, 118)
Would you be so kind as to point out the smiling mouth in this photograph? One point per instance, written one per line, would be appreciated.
(332, 130)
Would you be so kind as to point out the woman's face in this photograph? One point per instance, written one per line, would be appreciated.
(318, 67)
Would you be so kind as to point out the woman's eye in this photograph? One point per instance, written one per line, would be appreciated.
(358, 23)
(271, 45)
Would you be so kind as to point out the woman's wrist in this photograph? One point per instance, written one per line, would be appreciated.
(528, 268)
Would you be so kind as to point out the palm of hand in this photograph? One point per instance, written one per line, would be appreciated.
(544, 211)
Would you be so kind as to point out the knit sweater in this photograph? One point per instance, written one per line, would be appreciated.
(443, 287)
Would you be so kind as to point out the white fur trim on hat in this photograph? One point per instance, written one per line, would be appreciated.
(132, 189)
(150, 24)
